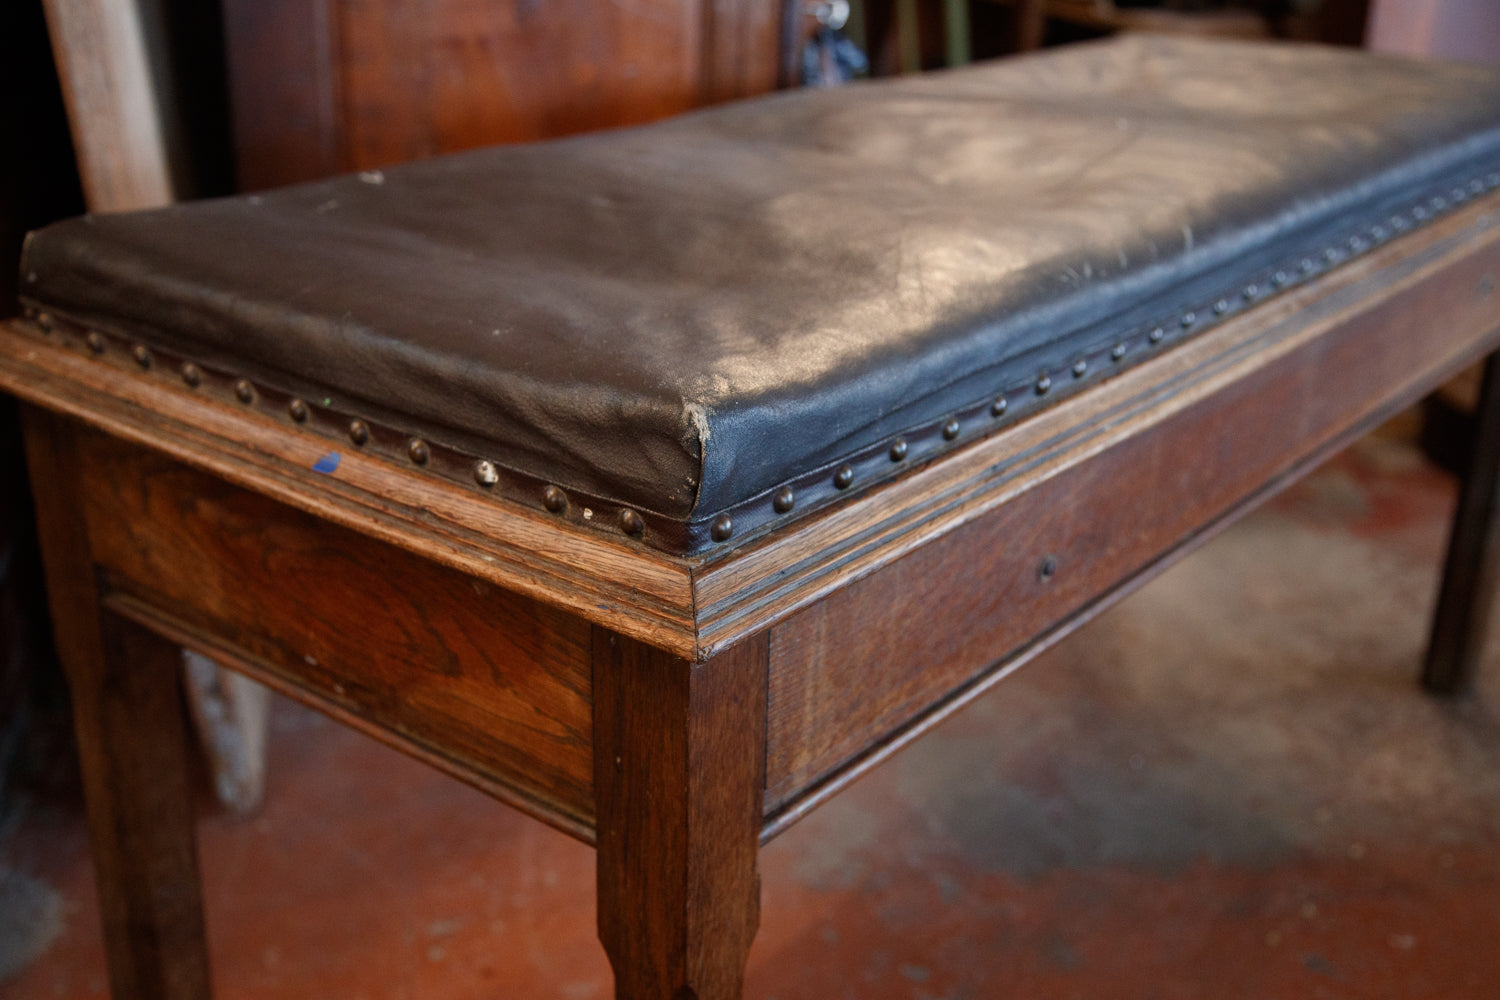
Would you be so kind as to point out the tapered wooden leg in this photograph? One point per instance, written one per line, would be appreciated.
(679, 781)
(1469, 574)
(132, 746)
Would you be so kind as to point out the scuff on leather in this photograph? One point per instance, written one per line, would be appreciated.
(698, 425)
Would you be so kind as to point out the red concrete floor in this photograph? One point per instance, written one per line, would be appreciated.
(1227, 787)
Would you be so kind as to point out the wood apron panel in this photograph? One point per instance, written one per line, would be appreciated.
(488, 684)
(861, 671)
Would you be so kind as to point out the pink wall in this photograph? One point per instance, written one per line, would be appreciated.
(1448, 29)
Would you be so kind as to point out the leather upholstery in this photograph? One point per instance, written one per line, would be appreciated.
(682, 317)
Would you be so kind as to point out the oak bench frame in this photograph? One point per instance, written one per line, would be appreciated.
(675, 711)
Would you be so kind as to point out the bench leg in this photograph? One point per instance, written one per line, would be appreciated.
(1469, 574)
(125, 684)
(679, 781)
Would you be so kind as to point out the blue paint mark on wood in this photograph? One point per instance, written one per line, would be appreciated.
(328, 463)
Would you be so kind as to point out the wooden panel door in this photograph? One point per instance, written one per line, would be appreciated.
(323, 86)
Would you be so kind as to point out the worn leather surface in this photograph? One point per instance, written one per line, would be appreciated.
(682, 316)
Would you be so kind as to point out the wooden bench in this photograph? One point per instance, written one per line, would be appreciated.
(658, 483)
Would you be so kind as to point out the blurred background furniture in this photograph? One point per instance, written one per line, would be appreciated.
(907, 35)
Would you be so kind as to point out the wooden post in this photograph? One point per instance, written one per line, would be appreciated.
(127, 710)
(114, 106)
(1468, 587)
(679, 780)
(119, 111)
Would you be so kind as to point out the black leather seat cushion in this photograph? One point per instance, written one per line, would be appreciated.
(680, 319)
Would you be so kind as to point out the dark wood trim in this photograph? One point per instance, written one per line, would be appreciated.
(679, 773)
(741, 52)
(285, 90)
(125, 683)
(1467, 592)
(789, 63)
(1031, 24)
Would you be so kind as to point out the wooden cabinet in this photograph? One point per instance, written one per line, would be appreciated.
(323, 86)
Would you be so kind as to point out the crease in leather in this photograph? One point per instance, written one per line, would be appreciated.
(680, 316)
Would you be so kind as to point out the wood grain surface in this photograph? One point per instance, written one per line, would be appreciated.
(492, 682)
(324, 86)
(679, 774)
